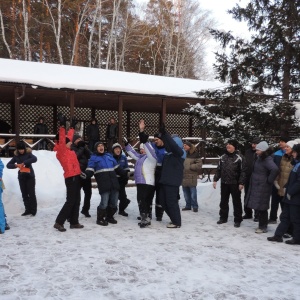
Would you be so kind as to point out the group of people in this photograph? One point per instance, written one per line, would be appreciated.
(161, 167)
(263, 174)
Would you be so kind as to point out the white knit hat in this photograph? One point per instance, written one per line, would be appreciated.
(291, 143)
(142, 146)
(262, 146)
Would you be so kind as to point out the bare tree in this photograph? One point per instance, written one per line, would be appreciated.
(3, 36)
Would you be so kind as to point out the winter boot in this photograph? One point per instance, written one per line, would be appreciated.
(110, 215)
(101, 214)
(145, 221)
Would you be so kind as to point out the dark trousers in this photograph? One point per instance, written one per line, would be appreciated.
(248, 210)
(27, 186)
(290, 215)
(86, 185)
(275, 201)
(145, 194)
(226, 191)
(168, 198)
(124, 201)
(262, 219)
(71, 207)
(159, 211)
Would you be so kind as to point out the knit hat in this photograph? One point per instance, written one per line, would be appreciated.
(291, 144)
(21, 146)
(284, 139)
(296, 148)
(115, 145)
(76, 137)
(262, 146)
(234, 143)
(157, 135)
(256, 140)
(187, 143)
(142, 146)
(97, 144)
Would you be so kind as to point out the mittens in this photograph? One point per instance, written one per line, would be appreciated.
(143, 137)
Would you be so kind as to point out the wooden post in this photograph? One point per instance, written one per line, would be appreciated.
(54, 119)
(190, 127)
(17, 114)
(120, 118)
(72, 101)
(163, 111)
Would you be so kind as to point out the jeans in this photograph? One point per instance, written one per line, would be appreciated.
(190, 196)
(109, 199)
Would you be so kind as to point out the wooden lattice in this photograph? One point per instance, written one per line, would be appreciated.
(5, 113)
(178, 124)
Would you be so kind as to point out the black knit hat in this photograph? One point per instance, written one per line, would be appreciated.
(256, 140)
(21, 146)
(234, 143)
(296, 148)
(284, 139)
(157, 135)
(188, 143)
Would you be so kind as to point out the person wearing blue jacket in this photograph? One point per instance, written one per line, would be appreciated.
(123, 180)
(105, 169)
(3, 224)
(291, 208)
(23, 160)
(171, 176)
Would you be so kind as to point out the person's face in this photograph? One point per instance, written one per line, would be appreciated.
(288, 150)
(41, 121)
(158, 142)
(21, 151)
(93, 122)
(253, 146)
(186, 147)
(117, 151)
(230, 148)
(112, 121)
(100, 148)
(294, 153)
(282, 145)
(142, 151)
(259, 152)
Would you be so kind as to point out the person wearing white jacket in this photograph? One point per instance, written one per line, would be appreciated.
(144, 174)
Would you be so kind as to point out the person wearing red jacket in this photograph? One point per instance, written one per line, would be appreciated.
(71, 167)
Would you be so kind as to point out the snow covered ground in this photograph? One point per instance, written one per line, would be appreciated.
(201, 260)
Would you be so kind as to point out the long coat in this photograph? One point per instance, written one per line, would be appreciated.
(260, 187)
(192, 167)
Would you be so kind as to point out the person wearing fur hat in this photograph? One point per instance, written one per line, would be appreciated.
(123, 180)
(232, 172)
(276, 199)
(144, 174)
(192, 167)
(291, 209)
(263, 176)
(83, 155)
(105, 169)
(250, 157)
(23, 160)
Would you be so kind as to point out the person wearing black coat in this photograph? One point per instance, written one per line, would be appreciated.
(263, 176)
(250, 158)
(111, 134)
(92, 133)
(171, 176)
(291, 208)
(23, 159)
(83, 155)
(232, 171)
(41, 128)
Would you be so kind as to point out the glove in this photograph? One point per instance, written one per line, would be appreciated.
(162, 129)
(73, 122)
(83, 175)
(143, 137)
(276, 185)
(81, 144)
(125, 141)
(288, 196)
(62, 119)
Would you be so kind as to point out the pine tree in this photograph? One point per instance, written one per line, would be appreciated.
(271, 59)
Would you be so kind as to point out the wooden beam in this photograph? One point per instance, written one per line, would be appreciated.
(120, 118)
(72, 105)
(163, 111)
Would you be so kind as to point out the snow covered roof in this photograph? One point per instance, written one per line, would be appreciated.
(90, 79)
